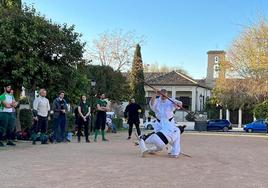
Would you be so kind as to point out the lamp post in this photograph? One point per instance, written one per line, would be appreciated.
(200, 102)
(93, 84)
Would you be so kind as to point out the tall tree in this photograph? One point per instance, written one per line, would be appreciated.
(243, 80)
(34, 52)
(114, 49)
(137, 77)
(248, 57)
(108, 81)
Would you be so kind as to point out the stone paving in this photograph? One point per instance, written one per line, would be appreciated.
(217, 160)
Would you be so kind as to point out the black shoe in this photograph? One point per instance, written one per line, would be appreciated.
(182, 128)
(88, 141)
(9, 143)
(1, 144)
(143, 137)
(33, 142)
(129, 138)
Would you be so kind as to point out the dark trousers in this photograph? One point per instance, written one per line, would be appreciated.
(100, 121)
(130, 127)
(6, 125)
(41, 124)
(59, 128)
(82, 123)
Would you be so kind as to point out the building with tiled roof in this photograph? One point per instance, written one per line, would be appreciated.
(191, 92)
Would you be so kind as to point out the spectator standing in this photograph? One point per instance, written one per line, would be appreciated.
(84, 118)
(59, 109)
(41, 110)
(132, 113)
(101, 117)
(7, 103)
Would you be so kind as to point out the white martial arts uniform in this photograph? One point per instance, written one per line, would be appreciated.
(165, 124)
(172, 134)
(163, 109)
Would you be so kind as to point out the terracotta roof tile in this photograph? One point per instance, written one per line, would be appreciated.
(173, 78)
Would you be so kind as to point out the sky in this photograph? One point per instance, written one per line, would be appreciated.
(177, 32)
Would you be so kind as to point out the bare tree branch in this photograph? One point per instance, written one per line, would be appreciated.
(115, 49)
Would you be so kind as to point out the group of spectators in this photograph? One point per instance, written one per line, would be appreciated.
(41, 113)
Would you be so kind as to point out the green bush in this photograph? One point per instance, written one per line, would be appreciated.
(261, 110)
(118, 123)
(25, 118)
(70, 121)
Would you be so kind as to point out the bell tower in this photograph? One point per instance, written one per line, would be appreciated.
(214, 60)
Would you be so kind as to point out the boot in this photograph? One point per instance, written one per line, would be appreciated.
(96, 135)
(43, 138)
(103, 136)
(79, 139)
(33, 138)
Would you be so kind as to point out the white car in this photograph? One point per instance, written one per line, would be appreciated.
(149, 124)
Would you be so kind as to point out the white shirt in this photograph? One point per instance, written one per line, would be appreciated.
(41, 105)
(8, 99)
(163, 109)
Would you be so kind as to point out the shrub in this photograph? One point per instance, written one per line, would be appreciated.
(70, 121)
(261, 110)
(25, 118)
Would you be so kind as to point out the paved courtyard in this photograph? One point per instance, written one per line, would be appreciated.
(218, 160)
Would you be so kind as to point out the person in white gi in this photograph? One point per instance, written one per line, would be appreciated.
(165, 130)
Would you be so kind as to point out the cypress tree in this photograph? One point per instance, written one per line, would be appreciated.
(137, 78)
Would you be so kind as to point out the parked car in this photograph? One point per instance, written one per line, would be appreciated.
(219, 124)
(149, 124)
(256, 126)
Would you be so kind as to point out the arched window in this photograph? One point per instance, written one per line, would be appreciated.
(216, 59)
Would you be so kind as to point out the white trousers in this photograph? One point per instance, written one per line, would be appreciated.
(155, 140)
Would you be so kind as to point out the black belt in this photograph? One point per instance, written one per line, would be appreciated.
(170, 119)
(162, 137)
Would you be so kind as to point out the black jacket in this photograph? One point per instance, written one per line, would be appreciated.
(132, 113)
(59, 105)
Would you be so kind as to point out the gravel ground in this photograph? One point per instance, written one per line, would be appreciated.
(218, 160)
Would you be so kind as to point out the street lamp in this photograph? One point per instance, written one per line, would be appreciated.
(200, 103)
(93, 84)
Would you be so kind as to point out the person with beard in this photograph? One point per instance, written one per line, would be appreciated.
(101, 117)
(59, 109)
(7, 103)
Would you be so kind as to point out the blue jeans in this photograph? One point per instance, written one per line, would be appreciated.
(59, 128)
